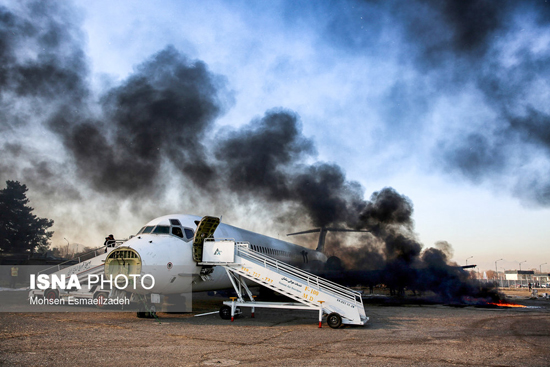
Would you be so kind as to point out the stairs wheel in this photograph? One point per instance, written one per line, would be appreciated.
(334, 320)
(101, 298)
(225, 312)
(50, 294)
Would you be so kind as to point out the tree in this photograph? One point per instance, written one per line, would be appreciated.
(20, 230)
(491, 274)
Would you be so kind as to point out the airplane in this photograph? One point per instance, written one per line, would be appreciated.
(169, 248)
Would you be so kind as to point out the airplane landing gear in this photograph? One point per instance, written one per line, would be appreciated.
(147, 313)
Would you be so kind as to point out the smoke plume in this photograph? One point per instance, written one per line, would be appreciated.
(391, 255)
(265, 159)
(473, 43)
(158, 116)
(496, 52)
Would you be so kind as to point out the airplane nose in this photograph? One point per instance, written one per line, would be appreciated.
(123, 265)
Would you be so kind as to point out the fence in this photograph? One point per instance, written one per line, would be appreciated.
(503, 283)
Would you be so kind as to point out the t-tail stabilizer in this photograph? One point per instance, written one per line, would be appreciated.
(323, 234)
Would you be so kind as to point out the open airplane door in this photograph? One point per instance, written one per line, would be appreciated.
(205, 229)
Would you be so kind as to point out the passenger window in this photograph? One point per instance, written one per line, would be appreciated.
(176, 231)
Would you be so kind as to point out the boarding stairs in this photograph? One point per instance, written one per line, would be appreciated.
(341, 305)
(88, 264)
(71, 264)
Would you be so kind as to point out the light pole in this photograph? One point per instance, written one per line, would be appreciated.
(467, 260)
(496, 269)
(540, 267)
(521, 262)
(67, 246)
(503, 273)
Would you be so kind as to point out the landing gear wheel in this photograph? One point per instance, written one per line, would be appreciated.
(147, 314)
(225, 312)
(152, 312)
(334, 320)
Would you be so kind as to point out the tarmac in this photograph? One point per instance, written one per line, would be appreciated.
(396, 335)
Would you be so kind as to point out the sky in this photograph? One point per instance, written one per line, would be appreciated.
(283, 116)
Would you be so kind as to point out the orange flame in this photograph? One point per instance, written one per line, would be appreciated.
(506, 304)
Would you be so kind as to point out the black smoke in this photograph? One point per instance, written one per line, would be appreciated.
(391, 255)
(387, 208)
(159, 115)
(494, 50)
(265, 160)
(42, 68)
(157, 123)
(471, 43)
(39, 53)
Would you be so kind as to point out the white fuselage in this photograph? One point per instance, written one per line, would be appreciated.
(164, 247)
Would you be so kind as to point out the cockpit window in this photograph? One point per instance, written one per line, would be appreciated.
(189, 233)
(175, 222)
(147, 229)
(162, 230)
(185, 234)
(176, 231)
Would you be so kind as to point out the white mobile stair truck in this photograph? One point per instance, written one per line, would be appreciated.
(91, 263)
(343, 306)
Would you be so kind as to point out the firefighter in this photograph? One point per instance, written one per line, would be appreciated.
(109, 242)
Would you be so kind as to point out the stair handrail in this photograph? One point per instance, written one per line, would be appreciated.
(318, 283)
(58, 266)
(293, 269)
(332, 287)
